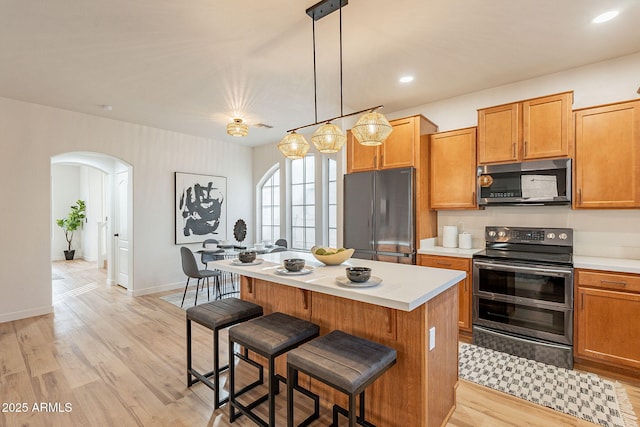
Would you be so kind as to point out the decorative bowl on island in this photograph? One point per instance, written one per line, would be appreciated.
(293, 264)
(247, 256)
(331, 256)
(358, 274)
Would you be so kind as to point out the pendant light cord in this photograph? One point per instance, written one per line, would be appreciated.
(315, 84)
(341, 102)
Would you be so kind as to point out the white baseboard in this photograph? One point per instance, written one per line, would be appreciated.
(156, 289)
(17, 315)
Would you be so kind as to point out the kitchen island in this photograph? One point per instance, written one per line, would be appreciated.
(399, 312)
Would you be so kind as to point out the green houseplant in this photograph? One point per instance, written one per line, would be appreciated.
(71, 223)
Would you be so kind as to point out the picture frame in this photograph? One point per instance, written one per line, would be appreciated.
(200, 207)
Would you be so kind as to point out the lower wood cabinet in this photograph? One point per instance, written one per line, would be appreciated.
(464, 287)
(607, 318)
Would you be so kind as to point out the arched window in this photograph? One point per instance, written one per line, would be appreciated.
(303, 193)
(270, 206)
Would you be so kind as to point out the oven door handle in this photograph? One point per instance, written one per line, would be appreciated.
(515, 268)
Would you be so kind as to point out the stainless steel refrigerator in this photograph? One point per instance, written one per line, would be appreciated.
(379, 218)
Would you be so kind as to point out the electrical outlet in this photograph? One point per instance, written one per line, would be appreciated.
(432, 338)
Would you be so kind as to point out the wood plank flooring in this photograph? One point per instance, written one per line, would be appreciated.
(105, 358)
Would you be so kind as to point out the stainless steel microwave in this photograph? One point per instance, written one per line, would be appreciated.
(539, 182)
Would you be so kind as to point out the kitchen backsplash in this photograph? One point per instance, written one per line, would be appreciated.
(602, 233)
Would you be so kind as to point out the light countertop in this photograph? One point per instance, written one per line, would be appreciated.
(403, 287)
(441, 250)
(621, 265)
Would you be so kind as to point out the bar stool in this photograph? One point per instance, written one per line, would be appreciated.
(269, 336)
(215, 316)
(345, 362)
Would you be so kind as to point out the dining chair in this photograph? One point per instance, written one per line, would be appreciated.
(281, 242)
(225, 277)
(190, 269)
(205, 257)
(278, 249)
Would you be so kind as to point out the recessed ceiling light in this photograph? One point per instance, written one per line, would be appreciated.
(406, 79)
(604, 17)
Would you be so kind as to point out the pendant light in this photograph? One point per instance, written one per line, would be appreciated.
(293, 146)
(372, 128)
(328, 138)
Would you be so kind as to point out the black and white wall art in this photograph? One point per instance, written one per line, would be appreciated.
(201, 207)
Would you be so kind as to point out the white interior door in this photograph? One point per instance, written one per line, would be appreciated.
(121, 229)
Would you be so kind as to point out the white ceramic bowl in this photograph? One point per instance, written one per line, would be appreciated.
(335, 259)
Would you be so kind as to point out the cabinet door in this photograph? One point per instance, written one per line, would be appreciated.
(607, 166)
(453, 170)
(498, 134)
(546, 127)
(360, 157)
(399, 149)
(464, 287)
(608, 326)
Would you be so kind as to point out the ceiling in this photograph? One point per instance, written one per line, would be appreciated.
(193, 66)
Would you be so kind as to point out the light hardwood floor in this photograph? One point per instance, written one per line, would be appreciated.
(107, 359)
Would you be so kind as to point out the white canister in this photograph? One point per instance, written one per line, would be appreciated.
(464, 240)
(450, 236)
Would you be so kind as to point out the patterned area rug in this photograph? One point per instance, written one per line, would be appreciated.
(582, 395)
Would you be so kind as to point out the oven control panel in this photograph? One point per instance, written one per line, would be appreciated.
(539, 236)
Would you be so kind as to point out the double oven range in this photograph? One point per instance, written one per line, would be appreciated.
(523, 293)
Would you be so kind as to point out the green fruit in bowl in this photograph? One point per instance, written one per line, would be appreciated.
(320, 251)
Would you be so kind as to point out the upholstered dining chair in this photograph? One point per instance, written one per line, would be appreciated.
(278, 249)
(281, 242)
(190, 269)
(205, 257)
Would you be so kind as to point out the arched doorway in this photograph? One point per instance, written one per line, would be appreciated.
(105, 181)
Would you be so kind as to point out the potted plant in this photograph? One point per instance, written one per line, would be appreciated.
(71, 223)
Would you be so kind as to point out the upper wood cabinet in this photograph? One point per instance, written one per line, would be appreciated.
(401, 149)
(607, 161)
(537, 128)
(452, 176)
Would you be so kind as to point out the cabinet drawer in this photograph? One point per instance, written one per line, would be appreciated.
(452, 263)
(606, 280)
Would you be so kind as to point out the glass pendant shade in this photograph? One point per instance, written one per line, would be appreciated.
(328, 138)
(372, 129)
(237, 128)
(294, 146)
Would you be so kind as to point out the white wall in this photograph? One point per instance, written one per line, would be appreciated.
(608, 233)
(31, 134)
(65, 190)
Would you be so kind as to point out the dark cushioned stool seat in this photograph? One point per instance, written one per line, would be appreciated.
(215, 316)
(346, 362)
(224, 312)
(269, 336)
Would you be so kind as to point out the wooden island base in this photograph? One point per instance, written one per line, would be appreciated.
(420, 389)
